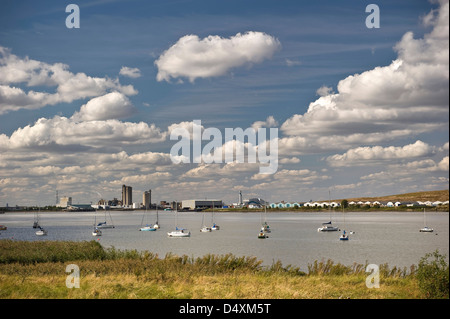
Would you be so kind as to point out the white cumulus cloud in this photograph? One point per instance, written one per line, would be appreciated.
(405, 98)
(130, 72)
(361, 155)
(192, 57)
(113, 105)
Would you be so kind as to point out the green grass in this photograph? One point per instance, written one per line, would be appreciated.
(37, 270)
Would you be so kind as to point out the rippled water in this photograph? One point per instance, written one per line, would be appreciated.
(380, 237)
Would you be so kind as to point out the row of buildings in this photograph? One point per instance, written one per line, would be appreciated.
(199, 204)
(358, 203)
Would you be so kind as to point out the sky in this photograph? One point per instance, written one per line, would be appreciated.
(360, 111)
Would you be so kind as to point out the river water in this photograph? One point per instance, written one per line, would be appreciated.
(379, 237)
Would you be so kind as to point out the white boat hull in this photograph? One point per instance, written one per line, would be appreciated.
(327, 228)
(178, 233)
(148, 228)
(426, 230)
(205, 229)
(41, 233)
(105, 226)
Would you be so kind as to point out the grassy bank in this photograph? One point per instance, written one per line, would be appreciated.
(37, 270)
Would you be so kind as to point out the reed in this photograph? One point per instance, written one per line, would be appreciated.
(37, 270)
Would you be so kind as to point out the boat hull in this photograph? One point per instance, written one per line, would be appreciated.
(104, 226)
(326, 229)
(178, 234)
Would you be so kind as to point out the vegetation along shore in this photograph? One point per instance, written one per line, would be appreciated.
(38, 270)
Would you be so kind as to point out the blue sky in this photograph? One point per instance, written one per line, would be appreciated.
(320, 43)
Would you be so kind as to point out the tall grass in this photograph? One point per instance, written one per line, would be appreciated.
(324, 268)
(128, 273)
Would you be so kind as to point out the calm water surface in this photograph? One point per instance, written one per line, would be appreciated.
(380, 237)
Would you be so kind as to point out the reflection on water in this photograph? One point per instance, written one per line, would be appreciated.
(380, 237)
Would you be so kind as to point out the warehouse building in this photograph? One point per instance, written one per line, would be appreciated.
(193, 204)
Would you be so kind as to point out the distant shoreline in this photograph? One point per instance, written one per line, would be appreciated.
(444, 209)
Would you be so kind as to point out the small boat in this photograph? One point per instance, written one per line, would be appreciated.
(156, 225)
(425, 228)
(214, 226)
(262, 234)
(36, 219)
(148, 228)
(204, 229)
(3, 227)
(344, 236)
(266, 227)
(96, 232)
(104, 225)
(179, 232)
(327, 227)
(41, 232)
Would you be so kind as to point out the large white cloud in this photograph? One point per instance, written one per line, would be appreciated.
(362, 155)
(68, 86)
(113, 105)
(408, 97)
(192, 57)
(55, 133)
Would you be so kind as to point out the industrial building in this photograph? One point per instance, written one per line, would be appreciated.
(147, 199)
(64, 202)
(127, 195)
(193, 204)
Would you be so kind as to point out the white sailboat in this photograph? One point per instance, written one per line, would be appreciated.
(344, 235)
(147, 227)
(204, 229)
(425, 228)
(214, 225)
(327, 226)
(96, 232)
(36, 219)
(104, 225)
(266, 227)
(156, 225)
(262, 234)
(41, 232)
(178, 232)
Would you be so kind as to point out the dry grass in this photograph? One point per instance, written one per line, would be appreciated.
(128, 275)
(441, 195)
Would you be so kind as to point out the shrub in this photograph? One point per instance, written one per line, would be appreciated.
(433, 276)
